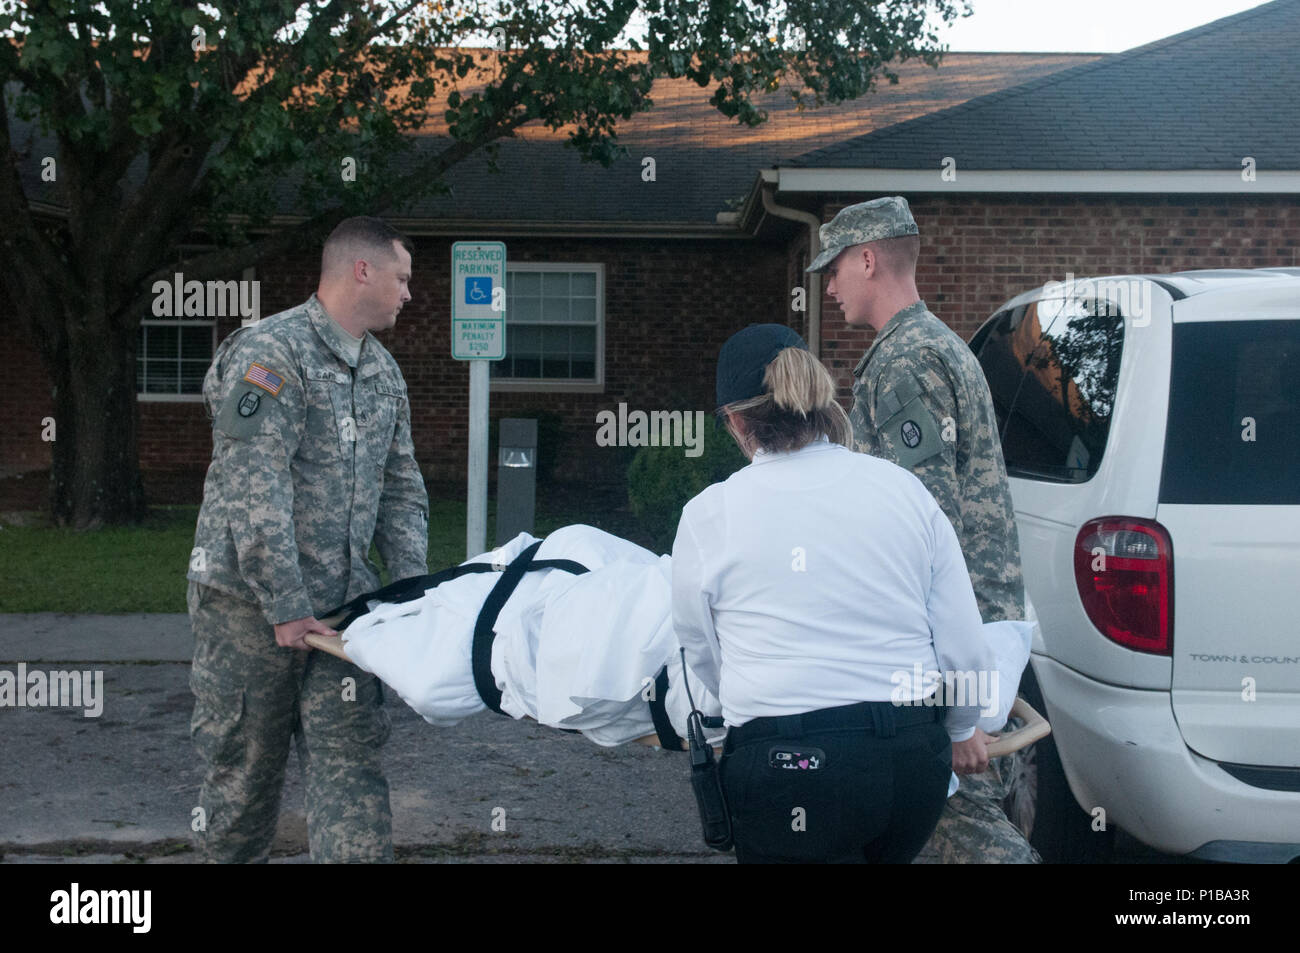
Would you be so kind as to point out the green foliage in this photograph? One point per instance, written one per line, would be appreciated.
(142, 568)
(174, 120)
(661, 480)
(114, 569)
(273, 88)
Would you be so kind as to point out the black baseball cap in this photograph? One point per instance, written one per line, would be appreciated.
(744, 359)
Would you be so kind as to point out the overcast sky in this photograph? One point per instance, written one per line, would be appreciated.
(1081, 26)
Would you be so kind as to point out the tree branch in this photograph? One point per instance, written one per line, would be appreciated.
(224, 262)
(35, 271)
(384, 28)
(162, 197)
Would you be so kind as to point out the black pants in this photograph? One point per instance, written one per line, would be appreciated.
(859, 784)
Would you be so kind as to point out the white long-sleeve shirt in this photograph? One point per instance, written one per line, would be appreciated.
(812, 579)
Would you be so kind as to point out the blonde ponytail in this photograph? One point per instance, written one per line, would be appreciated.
(798, 407)
(798, 382)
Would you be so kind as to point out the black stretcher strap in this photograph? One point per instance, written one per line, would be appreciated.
(414, 587)
(404, 590)
(485, 626)
(485, 633)
(568, 565)
(668, 737)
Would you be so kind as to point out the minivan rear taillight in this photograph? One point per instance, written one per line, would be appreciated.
(1124, 568)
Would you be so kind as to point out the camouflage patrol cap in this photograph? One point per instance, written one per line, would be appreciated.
(887, 217)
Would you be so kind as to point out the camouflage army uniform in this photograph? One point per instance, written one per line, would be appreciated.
(973, 827)
(312, 461)
(920, 400)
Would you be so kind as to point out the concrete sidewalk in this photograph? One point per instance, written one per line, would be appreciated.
(121, 786)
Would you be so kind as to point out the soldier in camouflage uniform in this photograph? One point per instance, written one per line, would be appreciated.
(920, 400)
(311, 461)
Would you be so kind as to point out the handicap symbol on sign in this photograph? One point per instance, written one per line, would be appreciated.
(478, 289)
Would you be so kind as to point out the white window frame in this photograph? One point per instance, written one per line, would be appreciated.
(150, 321)
(550, 385)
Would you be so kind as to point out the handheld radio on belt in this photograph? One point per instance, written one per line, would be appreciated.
(705, 782)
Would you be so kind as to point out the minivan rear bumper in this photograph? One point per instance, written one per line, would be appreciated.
(1122, 751)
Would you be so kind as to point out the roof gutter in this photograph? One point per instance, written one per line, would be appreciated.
(813, 300)
(724, 229)
(1226, 181)
(460, 227)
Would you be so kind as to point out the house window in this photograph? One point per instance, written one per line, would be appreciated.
(173, 351)
(554, 328)
(173, 355)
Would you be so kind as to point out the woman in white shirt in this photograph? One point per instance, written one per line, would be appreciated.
(811, 590)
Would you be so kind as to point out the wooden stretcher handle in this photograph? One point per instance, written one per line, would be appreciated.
(334, 620)
(333, 644)
(1035, 727)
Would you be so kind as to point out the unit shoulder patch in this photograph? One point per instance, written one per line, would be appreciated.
(912, 434)
(244, 413)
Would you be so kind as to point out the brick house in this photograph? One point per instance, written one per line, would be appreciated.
(1019, 168)
(1181, 154)
(621, 289)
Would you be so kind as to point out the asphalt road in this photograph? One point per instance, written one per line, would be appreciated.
(121, 786)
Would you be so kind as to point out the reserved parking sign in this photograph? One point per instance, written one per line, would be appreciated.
(478, 301)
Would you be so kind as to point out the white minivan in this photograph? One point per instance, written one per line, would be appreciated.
(1151, 430)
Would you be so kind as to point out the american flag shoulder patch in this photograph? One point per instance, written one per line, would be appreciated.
(265, 378)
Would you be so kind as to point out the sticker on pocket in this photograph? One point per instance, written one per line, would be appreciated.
(796, 759)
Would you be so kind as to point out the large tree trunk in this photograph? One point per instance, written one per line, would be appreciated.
(96, 476)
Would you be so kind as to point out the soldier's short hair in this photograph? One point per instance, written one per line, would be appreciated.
(899, 255)
(361, 236)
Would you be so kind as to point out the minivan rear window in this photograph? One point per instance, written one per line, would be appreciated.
(1002, 347)
(1052, 369)
(1233, 434)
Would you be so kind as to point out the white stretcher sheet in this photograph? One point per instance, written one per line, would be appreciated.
(572, 651)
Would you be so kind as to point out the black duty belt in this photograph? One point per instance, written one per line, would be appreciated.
(414, 587)
(879, 718)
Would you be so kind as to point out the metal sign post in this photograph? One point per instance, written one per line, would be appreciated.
(478, 335)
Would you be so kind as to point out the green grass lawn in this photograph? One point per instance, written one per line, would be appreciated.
(142, 568)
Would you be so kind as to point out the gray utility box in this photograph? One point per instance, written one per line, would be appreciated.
(516, 478)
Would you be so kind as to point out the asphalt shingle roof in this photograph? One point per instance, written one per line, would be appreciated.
(702, 158)
(1203, 99)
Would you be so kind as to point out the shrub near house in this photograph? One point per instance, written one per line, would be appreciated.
(661, 480)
